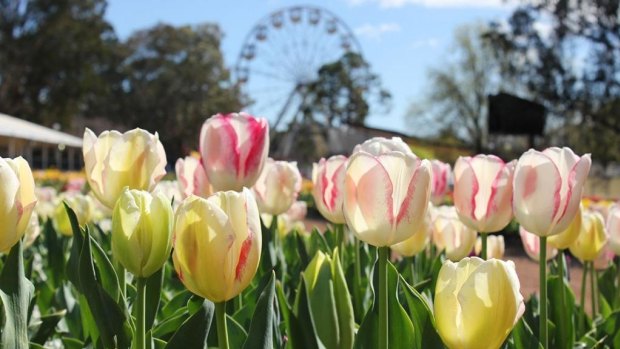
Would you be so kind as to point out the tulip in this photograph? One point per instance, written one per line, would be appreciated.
(441, 177)
(234, 148)
(171, 191)
(33, 230)
(385, 195)
(420, 239)
(81, 206)
(592, 237)
(566, 238)
(277, 186)
(477, 303)
(604, 259)
(531, 245)
(328, 187)
(451, 235)
(192, 177)
(613, 228)
(17, 200)
(483, 192)
(217, 244)
(547, 189)
(113, 161)
(379, 146)
(495, 247)
(142, 231)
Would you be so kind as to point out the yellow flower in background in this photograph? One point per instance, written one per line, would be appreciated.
(495, 246)
(564, 239)
(142, 231)
(81, 204)
(477, 303)
(217, 243)
(17, 200)
(592, 237)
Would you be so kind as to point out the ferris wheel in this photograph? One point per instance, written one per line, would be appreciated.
(283, 53)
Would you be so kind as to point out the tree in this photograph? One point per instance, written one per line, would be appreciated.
(172, 79)
(51, 55)
(455, 101)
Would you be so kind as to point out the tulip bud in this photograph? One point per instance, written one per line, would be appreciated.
(441, 178)
(17, 200)
(233, 148)
(328, 187)
(531, 245)
(217, 244)
(80, 204)
(547, 189)
(613, 228)
(277, 186)
(142, 231)
(420, 239)
(386, 195)
(495, 246)
(451, 235)
(566, 238)
(477, 303)
(113, 161)
(483, 192)
(192, 177)
(591, 239)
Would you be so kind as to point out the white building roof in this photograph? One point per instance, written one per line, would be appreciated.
(13, 127)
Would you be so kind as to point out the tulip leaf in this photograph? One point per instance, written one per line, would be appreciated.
(106, 274)
(304, 259)
(425, 334)
(523, 336)
(320, 287)
(561, 311)
(400, 327)
(262, 325)
(47, 326)
(193, 332)
(15, 291)
(344, 305)
(301, 329)
(55, 254)
(153, 295)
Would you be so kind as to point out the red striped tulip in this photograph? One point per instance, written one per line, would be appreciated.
(233, 149)
(386, 192)
(592, 237)
(483, 192)
(277, 187)
(613, 228)
(217, 244)
(114, 160)
(17, 200)
(495, 246)
(328, 187)
(192, 177)
(531, 245)
(441, 179)
(450, 234)
(547, 189)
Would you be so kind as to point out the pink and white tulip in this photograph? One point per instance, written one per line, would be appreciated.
(192, 177)
(277, 186)
(234, 148)
(547, 189)
(328, 187)
(441, 179)
(613, 228)
(450, 234)
(495, 246)
(386, 192)
(483, 192)
(531, 245)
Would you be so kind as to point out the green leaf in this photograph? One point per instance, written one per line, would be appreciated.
(193, 332)
(344, 305)
(47, 326)
(153, 295)
(561, 311)
(302, 332)
(55, 255)
(261, 328)
(400, 327)
(236, 333)
(16, 292)
(72, 343)
(425, 334)
(107, 274)
(523, 337)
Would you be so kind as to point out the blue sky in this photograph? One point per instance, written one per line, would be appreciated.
(401, 39)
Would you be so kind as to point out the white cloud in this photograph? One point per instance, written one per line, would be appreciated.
(375, 32)
(425, 43)
(433, 3)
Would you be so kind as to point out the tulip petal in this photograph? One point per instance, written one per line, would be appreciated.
(571, 199)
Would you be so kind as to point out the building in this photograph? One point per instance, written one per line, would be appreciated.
(41, 146)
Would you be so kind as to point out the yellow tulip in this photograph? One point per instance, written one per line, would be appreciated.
(80, 204)
(592, 237)
(17, 200)
(564, 239)
(477, 303)
(142, 231)
(217, 243)
(113, 161)
(450, 234)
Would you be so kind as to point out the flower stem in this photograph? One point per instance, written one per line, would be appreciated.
(593, 289)
(582, 300)
(383, 297)
(140, 313)
(357, 279)
(543, 292)
(483, 237)
(220, 319)
(618, 275)
(561, 264)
